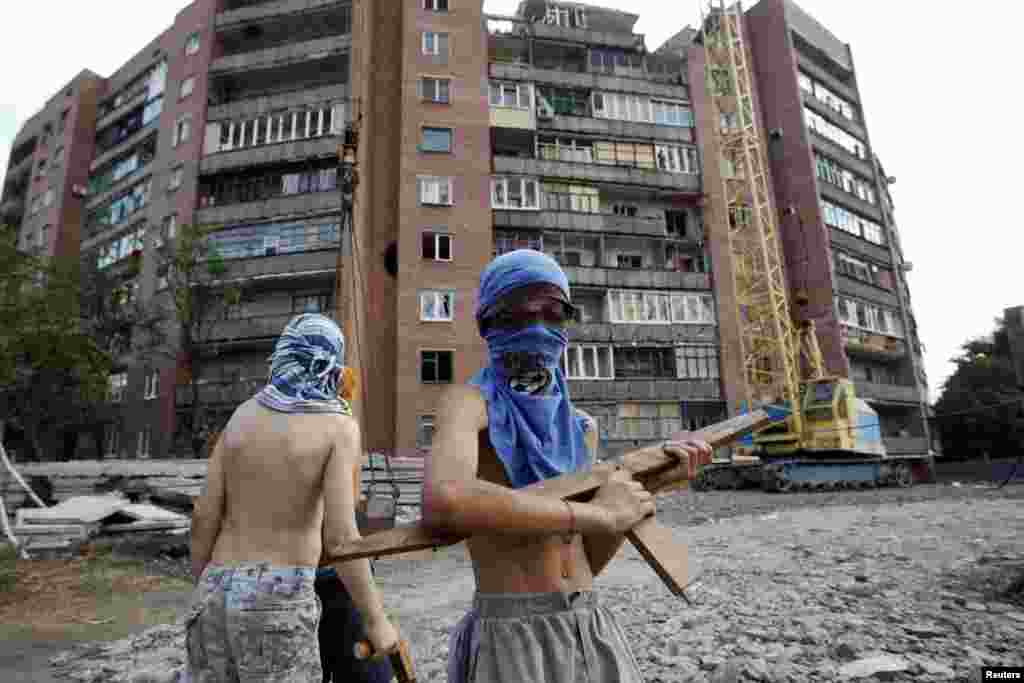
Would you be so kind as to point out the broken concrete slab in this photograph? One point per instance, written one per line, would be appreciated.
(78, 510)
(870, 666)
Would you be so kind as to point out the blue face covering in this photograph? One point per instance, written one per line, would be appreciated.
(536, 436)
(305, 368)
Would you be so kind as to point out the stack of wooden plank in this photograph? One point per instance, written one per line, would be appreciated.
(82, 517)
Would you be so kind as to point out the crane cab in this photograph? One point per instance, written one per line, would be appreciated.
(835, 420)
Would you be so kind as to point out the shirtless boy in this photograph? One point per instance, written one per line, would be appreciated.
(535, 616)
(279, 495)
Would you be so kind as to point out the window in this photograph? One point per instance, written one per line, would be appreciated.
(436, 367)
(187, 86)
(505, 241)
(435, 44)
(435, 5)
(622, 107)
(437, 305)
(435, 89)
(113, 440)
(514, 193)
(628, 210)
(671, 113)
(834, 174)
(677, 159)
(192, 44)
(588, 362)
(629, 261)
(570, 17)
(435, 191)
(145, 438)
(648, 307)
(675, 223)
(152, 385)
(171, 226)
(847, 221)
(437, 246)
(425, 428)
(869, 317)
(182, 130)
(175, 179)
(644, 363)
(695, 361)
(275, 127)
(514, 95)
(318, 302)
(436, 140)
(823, 127)
(48, 197)
(826, 96)
(263, 185)
(117, 385)
(267, 239)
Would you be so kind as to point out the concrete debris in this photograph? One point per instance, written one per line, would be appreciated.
(870, 666)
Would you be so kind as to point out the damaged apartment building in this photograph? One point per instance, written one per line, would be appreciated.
(555, 128)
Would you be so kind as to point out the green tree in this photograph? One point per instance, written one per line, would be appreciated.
(981, 410)
(199, 294)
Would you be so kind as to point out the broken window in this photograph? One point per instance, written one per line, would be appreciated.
(646, 363)
(436, 367)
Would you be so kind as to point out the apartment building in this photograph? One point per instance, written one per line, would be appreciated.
(556, 128)
(837, 217)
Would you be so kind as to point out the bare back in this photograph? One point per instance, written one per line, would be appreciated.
(510, 564)
(273, 469)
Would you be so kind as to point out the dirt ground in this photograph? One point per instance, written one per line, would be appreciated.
(53, 604)
(789, 588)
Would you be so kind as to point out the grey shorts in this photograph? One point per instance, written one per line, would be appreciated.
(254, 623)
(541, 638)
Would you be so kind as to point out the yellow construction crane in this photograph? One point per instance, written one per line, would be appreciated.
(782, 362)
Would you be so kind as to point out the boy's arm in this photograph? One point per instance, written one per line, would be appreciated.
(208, 512)
(599, 547)
(340, 523)
(455, 501)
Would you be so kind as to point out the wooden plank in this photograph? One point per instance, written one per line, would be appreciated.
(663, 553)
(645, 465)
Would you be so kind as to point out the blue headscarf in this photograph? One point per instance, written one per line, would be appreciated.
(305, 368)
(535, 436)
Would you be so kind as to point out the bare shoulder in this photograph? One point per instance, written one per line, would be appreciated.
(462, 405)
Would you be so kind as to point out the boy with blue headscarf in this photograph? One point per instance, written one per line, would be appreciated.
(278, 496)
(535, 616)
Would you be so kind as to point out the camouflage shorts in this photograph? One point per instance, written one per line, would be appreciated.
(254, 623)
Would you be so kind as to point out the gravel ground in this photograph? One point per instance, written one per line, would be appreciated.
(888, 584)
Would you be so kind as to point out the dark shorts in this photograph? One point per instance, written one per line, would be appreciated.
(541, 638)
(254, 623)
(341, 627)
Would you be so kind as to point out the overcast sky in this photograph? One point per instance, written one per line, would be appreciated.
(935, 79)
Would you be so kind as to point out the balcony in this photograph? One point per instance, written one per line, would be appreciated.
(850, 202)
(848, 159)
(119, 148)
(643, 390)
(859, 246)
(836, 118)
(887, 393)
(594, 81)
(258, 106)
(305, 265)
(627, 333)
(316, 148)
(135, 100)
(610, 127)
(873, 346)
(221, 391)
(279, 207)
(635, 278)
(249, 328)
(863, 290)
(600, 173)
(267, 11)
(826, 78)
(577, 221)
(285, 55)
(566, 34)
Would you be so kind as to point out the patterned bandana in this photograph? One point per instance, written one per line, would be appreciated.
(536, 435)
(305, 368)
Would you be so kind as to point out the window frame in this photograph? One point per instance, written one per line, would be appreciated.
(436, 81)
(423, 139)
(595, 350)
(118, 385)
(190, 81)
(524, 93)
(152, 386)
(435, 39)
(504, 182)
(438, 295)
(707, 361)
(425, 181)
(437, 361)
(434, 5)
(182, 130)
(177, 176)
(192, 43)
(437, 237)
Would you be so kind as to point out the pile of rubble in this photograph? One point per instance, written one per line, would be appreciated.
(82, 518)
